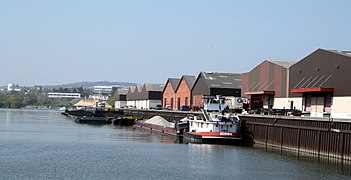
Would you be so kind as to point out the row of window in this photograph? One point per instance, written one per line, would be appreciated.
(186, 102)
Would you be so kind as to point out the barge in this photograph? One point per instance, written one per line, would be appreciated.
(161, 125)
(213, 128)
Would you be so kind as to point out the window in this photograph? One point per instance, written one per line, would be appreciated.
(171, 103)
(186, 101)
(178, 103)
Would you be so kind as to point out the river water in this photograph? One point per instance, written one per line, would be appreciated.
(42, 144)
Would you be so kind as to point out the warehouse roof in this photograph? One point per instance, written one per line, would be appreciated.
(285, 64)
(222, 80)
(154, 87)
(344, 53)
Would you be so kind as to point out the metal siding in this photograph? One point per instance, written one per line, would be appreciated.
(325, 61)
(278, 81)
(225, 92)
(273, 77)
(244, 84)
(254, 78)
(284, 82)
(200, 87)
(154, 95)
(257, 79)
(264, 76)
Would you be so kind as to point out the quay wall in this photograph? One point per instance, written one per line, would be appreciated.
(320, 136)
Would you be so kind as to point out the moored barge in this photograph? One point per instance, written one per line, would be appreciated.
(213, 128)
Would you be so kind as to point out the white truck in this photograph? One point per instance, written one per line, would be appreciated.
(218, 103)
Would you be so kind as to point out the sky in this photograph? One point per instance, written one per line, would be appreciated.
(50, 42)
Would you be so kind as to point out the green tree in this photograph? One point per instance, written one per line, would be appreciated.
(3, 100)
(111, 101)
(30, 99)
(14, 101)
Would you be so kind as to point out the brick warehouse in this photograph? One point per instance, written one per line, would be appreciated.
(183, 91)
(168, 94)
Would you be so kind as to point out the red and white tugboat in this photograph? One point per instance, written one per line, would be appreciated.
(213, 128)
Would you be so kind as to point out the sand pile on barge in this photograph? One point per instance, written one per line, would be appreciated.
(158, 120)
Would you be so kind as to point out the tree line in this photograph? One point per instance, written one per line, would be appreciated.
(20, 99)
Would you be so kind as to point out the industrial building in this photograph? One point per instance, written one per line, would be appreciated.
(267, 84)
(168, 94)
(146, 97)
(319, 84)
(213, 84)
(121, 98)
(183, 91)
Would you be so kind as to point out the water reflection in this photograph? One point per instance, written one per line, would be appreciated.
(341, 166)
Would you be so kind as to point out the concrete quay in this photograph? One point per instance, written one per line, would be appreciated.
(319, 136)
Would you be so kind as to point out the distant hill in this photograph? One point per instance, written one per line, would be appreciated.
(91, 84)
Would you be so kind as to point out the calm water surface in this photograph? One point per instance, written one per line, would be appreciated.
(38, 144)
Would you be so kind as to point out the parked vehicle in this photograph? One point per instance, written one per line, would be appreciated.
(158, 107)
(184, 108)
(168, 107)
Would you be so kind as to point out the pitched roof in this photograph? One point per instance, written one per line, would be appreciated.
(344, 53)
(137, 89)
(189, 80)
(285, 64)
(154, 87)
(131, 89)
(174, 82)
(122, 91)
(222, 80)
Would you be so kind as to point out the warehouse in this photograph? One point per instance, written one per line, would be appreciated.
(214, 84)
(168, 94)
(266, 85)
(320, 81)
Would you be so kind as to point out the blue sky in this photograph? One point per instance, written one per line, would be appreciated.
(54, 42)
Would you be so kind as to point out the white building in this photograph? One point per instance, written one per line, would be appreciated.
(13, 87)
(102, 92)
(121, 98)
(146, 97)
(63, 95)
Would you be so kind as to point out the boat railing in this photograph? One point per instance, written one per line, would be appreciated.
(206, 115)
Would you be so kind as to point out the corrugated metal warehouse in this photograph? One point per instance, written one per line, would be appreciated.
(266, 83)
(320, 82)
(212, 84)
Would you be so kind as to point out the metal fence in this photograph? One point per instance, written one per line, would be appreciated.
(327, 138)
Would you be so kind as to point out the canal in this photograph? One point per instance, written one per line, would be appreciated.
(42, 144)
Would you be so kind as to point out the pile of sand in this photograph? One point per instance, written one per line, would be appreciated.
(158, 120)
